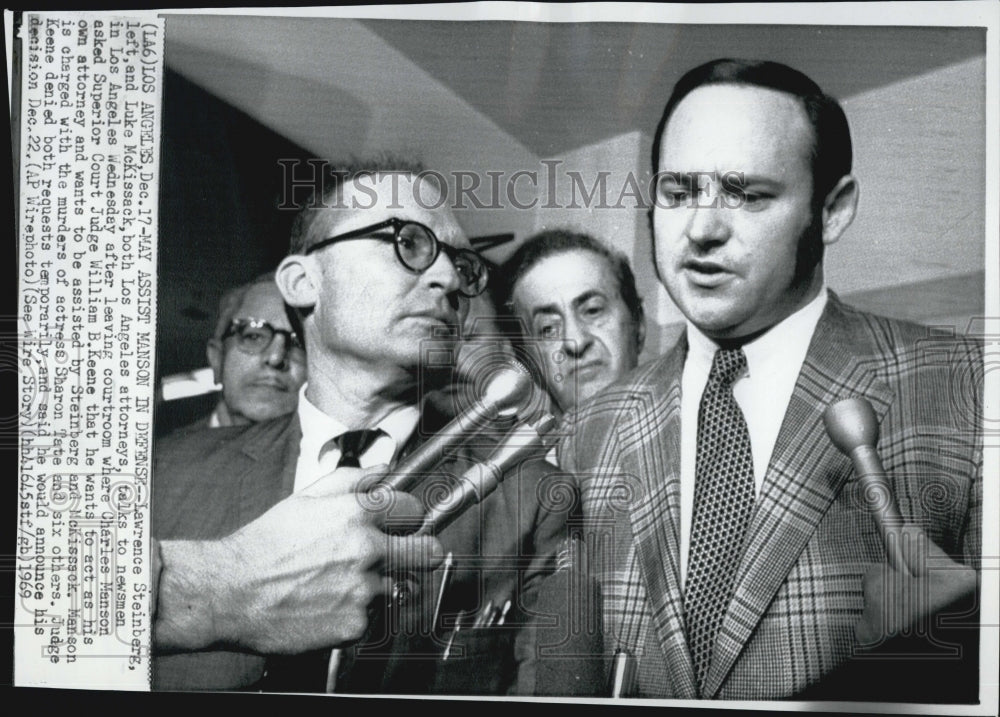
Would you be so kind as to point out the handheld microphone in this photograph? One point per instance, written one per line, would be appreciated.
(853, 428)
(483, 478)
(508, 391)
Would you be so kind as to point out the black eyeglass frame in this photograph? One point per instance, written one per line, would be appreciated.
(236, 326)
(372, 232)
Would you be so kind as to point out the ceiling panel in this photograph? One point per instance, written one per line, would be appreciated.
(551, 87)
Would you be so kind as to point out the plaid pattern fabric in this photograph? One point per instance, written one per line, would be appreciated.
(798, 590)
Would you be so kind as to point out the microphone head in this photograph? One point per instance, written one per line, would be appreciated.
(508, 390)
(851, 423)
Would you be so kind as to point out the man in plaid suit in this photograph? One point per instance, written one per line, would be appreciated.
(753, 169)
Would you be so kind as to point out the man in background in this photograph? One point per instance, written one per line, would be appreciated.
(578, 308)
(255, 355)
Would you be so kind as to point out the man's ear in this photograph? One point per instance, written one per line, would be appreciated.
(214, 353)
(298, 281)
(839, 208)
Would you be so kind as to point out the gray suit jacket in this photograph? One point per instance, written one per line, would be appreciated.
(799, 584)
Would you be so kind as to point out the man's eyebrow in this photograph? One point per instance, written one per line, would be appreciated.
(587, 296)
(544, 309)
(739, 179)
(671, 177)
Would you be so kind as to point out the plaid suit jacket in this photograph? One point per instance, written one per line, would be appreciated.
(798, 589)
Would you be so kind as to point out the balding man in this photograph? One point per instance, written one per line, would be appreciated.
(255, 355)
(380, 272)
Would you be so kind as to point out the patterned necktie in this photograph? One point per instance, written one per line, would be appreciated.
(353, 444)
(723, 503)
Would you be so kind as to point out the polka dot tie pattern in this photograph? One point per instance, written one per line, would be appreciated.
(723, 504)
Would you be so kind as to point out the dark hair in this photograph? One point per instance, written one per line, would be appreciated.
(335, 177)
(557, 241)
(830, 157)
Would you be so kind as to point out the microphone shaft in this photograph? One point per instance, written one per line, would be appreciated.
(421, 461)
(483, 478)
(881, 503)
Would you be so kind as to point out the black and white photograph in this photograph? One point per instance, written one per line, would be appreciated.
(620, 354)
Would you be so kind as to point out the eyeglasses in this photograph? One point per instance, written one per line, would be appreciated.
(417, 248)
(254, 336)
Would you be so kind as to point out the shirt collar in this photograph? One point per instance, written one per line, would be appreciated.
(318, 427)
(785, 338)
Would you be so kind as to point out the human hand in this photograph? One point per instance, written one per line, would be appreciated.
(897, 604)
(297, 578)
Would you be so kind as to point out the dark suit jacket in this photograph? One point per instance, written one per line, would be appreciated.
(798, 589)
(208, 484)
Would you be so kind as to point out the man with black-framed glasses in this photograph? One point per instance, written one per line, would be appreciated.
(256, 356)
(381, 276)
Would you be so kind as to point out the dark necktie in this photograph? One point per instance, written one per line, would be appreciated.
(308, 672)
(723, 504)
(353, 444)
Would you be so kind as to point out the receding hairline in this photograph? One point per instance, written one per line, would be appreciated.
(304, 232)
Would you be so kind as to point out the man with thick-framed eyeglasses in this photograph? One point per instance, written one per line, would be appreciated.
(255, 355)
(380, 274)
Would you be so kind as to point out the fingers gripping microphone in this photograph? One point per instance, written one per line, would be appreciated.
(853, 428)
(507, 392)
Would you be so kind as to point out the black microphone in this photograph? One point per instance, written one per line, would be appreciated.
(508, 390)
(853, 428)
(483, 478)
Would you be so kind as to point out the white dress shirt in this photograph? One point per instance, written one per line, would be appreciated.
(318, 455)
(774, 360)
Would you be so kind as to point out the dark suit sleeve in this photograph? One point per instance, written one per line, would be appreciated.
(558, 648)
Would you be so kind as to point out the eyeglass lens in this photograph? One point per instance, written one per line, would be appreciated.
(257, 337)
(416, 251)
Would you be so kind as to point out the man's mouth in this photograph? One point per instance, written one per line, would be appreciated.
(275, 384)
(706, 274)
(444, 318)
(588, 370)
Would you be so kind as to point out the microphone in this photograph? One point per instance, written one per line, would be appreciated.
(481, 479)
(508, 390)
(853, 428)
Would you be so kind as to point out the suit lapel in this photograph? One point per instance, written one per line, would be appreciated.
(804, 476)
(651, 453)
(272, 455)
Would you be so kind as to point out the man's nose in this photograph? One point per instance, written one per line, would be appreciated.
(443, 274)
(708, 223)
(577, 338)
(276, 354)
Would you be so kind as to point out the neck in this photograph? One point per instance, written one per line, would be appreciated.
(227, 417)
(358, 397)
